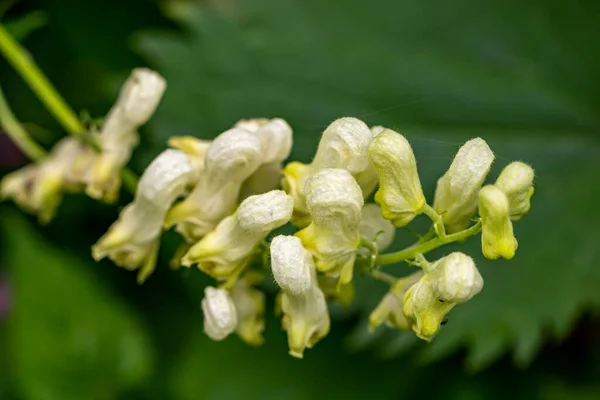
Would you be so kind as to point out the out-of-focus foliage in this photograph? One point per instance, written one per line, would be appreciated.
(441, 73)
(521, 75)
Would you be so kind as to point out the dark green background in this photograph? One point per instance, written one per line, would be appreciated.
(525, 76)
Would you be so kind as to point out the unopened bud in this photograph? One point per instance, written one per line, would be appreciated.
(400, 195)
(457, 277)
(220, 318)
(456, 193)
(516, 181)
(497, 238)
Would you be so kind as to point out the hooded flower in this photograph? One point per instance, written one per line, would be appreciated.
(334, 201)
(193, 147)
(38, 188)
(137, 101)
(224, 252)
(344, 145)
(400, 195)
(132, 241)
(230, 159)
(220, 317)
(451, 280)
(516, 181)
(305, 314)
(456, 192)
(497, 238)
(276, 142)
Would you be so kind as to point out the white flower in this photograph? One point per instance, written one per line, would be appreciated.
(225, 252)
(344, 145)
(193, 147)
(305, 314)
(230, 159)
(334, 201)
(137, 101)
(456, 193)
(220, 318)
(516, 181)
(400, 195)
(132, 241)
(250, 310)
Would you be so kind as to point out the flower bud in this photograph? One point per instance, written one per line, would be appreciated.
(376, 228)
(344, 145)
(516, 181)
(137, 102)
(368, 179)
(193, 147)
(132, 241)
(456, 193)
(334, 201)
(458, 280)
(293, 267)
(400, 195)
(389, 310)
(220, 318)
(250, 310)
(225, 252)
(38, 188)
(497, 238)
(230, 159)
(451, 280)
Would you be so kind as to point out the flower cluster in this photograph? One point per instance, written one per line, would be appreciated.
(227, 196)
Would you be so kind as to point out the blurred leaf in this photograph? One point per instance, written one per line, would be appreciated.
(522, 77)
(22, 27)
(70, 337)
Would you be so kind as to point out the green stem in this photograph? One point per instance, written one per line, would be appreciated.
(422, 248)
(384, 277)
(24, 64)
(438, 224)
(17, 133)
(22, 61)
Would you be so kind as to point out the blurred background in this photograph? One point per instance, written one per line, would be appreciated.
(522, 75)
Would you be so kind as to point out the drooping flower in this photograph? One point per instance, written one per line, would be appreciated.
(334, 201)
(250, 310)
(224, 252)
(456, 192)
(400, 195)
(344, 145)
(451, 280)
(305, 314)
(497, 237)
(230, 159)
(516, 181)
(389, 310)
(133, 240)
(220, 317)
(137, 101)
(38, 188)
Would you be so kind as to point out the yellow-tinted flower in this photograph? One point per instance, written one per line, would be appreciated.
(344, 145)
(276, 140)
(220, 317)
(400, 195)
(230, 159)
(334, 201)
(451, 280)
(224, 252)
(132, 241)
(137, 101)
(375, 228)
(456, 193)
(516, 181)
(38, 188)
(334, 292)
(305, 314)
(389, 310)
(497, 238)
(368, 179)
(250, 309)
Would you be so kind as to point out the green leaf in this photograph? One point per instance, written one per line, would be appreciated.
(70, 337)
(520, 76)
